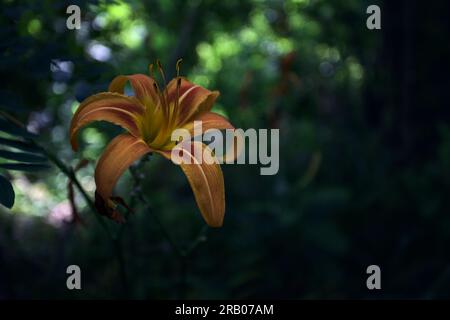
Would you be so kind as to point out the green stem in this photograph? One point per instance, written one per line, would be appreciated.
(140, 196)
(115, 239)
(121, 259)
(179, 253)
(182, 255)
(183, 278)
(201, 237)
(72, 177)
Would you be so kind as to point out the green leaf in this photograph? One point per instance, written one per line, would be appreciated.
(7, 193)
(22, 156)
(29, 167)
(25, 146)
(15, 130)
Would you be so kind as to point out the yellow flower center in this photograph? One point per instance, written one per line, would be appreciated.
(159, 120)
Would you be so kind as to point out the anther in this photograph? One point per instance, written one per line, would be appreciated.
(164, 94)
(150, 69)
(178, 66)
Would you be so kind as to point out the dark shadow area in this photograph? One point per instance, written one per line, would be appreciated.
(364, 159)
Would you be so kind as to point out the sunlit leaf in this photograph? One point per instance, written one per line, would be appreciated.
(7, 193)
(29, 167)
(25, 146)
(14, 129)
(22, 156)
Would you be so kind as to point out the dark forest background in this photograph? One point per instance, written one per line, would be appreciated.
(364, 150)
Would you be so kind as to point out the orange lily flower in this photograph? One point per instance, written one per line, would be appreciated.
(149, 117)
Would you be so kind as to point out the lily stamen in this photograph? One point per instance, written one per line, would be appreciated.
(177, 99)
(150, 69)
(165, 94)
(178, 66)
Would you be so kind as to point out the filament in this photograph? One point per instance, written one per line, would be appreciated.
(178, 66)
(163, 76)
(150, 69)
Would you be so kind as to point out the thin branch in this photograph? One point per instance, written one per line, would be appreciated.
(115, 239)
(201, 237)
(138, 193)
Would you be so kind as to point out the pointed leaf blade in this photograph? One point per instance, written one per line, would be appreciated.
(14, 129)
(21, 145)
(27, 167)
(22, 156)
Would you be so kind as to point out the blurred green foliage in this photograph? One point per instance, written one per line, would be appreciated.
(362, 180)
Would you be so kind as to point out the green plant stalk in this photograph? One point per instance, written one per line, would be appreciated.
(115, 240)
(182, 254)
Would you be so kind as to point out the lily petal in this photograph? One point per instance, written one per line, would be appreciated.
(206, 179)
(193, 99)
(212, 120)
(120, 153)
(143, 87)
(112, 107)
(209, 120)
